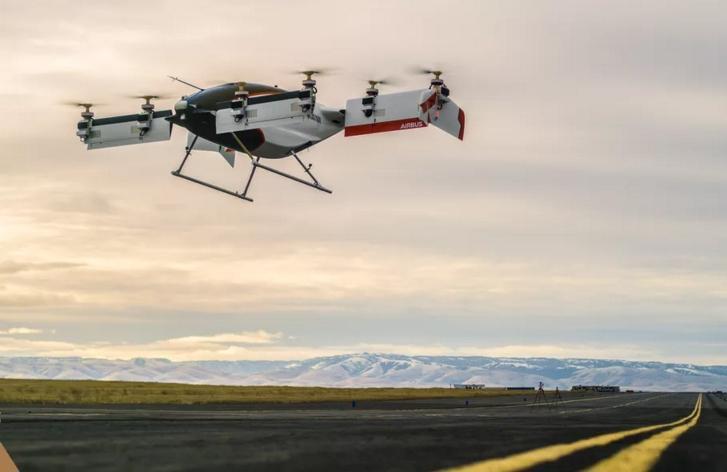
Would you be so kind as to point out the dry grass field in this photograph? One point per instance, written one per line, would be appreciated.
(105, 392)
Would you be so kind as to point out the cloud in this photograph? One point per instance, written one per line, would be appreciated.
(590, 185)
(14, 267)
(245, 337)
(264, 345)
(33, 300)
(10, 346)
(21, 330)
(92, 203)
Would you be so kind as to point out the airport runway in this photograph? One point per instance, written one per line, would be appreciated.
(687, 433)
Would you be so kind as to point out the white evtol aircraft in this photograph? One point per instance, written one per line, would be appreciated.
(267, 122)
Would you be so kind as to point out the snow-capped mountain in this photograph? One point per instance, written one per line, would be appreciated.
(377, 370)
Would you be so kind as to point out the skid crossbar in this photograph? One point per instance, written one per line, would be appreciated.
(212, 186)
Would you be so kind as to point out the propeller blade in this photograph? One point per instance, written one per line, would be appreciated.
(315, 71)
(150, 97)
(71, 103)
(426, 71)
(85, 105)
(386, 81)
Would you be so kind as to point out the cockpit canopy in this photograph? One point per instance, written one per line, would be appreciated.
(209, 98)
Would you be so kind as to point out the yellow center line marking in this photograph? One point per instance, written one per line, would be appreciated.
(6, 463)
(642, 456)
(524, 460)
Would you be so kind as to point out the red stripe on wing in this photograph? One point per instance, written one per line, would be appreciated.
(460, 118)
(381, 127)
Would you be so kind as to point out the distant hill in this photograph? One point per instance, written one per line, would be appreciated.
(380, 370)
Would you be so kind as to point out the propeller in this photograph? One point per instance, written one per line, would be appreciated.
(86, 113)
(148, 106)
(423, 70)
(437, 82)
(309, 73)
(148, 98)
(374, 83)
(85, 105)
(309, 82)
(373, 90)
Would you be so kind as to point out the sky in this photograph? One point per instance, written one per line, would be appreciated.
(584, 215)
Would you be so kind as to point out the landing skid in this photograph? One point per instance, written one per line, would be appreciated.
(255, 161)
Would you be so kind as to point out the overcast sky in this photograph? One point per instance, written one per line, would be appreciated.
(584, 215)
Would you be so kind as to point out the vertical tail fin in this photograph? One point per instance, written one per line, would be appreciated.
(204, 145)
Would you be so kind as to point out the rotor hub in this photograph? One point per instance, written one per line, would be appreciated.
(87, 115)
(147, 107)
(309, 83)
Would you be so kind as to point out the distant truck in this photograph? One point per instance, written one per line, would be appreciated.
(596, 388)
(469, 386)
(519, 388)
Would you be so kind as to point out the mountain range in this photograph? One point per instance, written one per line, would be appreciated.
(380, 370)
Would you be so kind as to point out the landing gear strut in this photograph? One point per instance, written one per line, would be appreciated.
(255, 161)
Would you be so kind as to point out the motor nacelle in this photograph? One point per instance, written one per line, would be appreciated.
(239, 107)
(181, 105)
(309, 83)
(308, 92)
(144, 119)
(368, 105)
(239, 103)
(143, 122)
(307, 99)
(83, 129)
(440, 88)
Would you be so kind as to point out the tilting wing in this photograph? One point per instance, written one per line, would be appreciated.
(125, 130)
(286, 122)
(402, 111)
(385, 112)
(265, 111)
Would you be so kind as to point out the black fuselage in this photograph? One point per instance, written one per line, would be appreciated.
(198, 119)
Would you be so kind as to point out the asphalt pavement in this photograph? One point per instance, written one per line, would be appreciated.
(498, 433)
